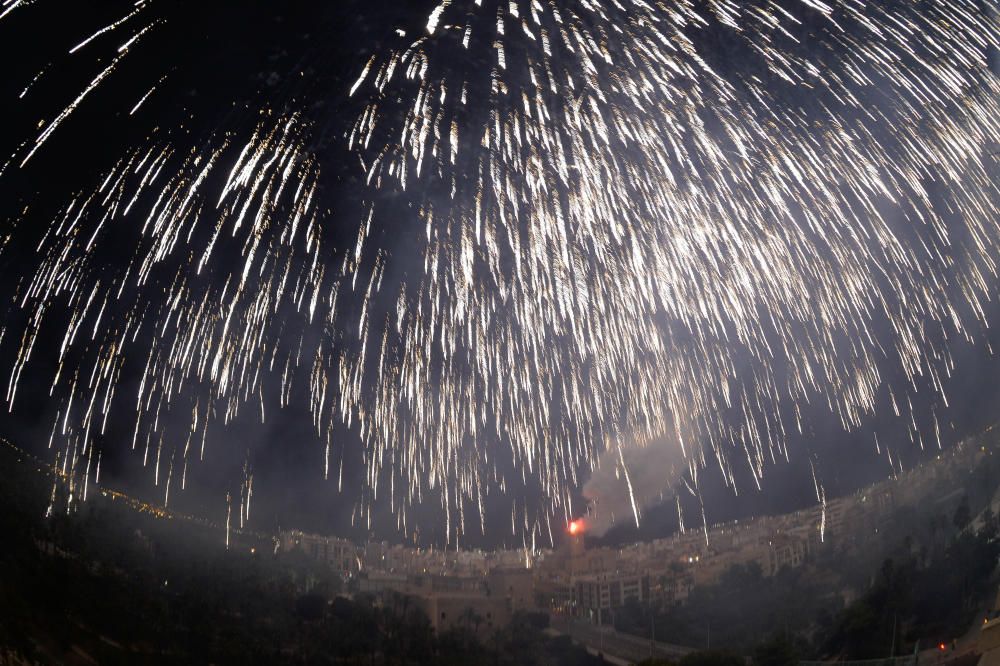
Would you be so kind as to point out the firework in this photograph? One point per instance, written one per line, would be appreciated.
(622, 221)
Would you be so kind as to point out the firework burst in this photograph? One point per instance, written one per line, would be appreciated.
(613, 221)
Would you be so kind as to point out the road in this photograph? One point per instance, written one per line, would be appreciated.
(613, 643)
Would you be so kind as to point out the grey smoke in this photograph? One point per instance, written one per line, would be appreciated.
(653, 471)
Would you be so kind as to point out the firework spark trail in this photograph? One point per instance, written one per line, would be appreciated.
(627, 231)
(620, 181)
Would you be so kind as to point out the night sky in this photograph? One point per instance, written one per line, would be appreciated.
(219, 64)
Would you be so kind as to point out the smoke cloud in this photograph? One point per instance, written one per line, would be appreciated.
(629, 479)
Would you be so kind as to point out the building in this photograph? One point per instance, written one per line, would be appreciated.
(515, 585)
(340, 554)
(478, 612)
(379, 583)
(784, 550)
(596, 596)
(670, 588)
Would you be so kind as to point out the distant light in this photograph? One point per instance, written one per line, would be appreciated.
(575, 527)
(942, 646)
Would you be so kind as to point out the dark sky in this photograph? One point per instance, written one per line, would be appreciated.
(223, 61)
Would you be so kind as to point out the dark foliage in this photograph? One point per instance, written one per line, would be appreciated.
(126, 588)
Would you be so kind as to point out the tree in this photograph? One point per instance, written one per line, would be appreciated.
(962, 513)
(989, 522)
(632, 617)
(856, 635)
(310, 607)
(779, 650)
(712, 658)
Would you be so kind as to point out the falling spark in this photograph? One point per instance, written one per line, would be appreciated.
(623, 234)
